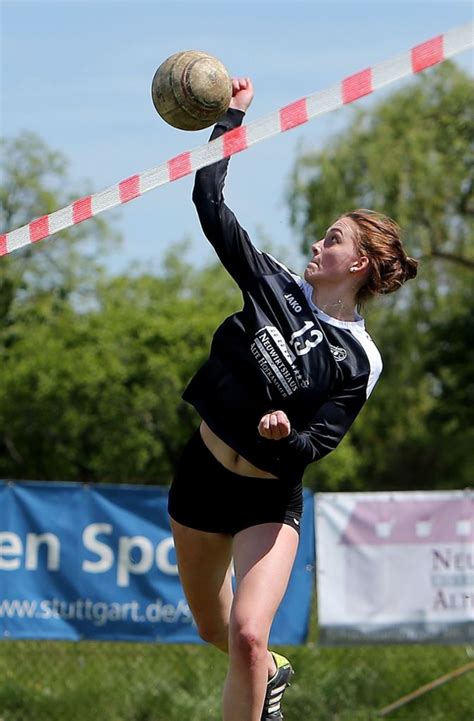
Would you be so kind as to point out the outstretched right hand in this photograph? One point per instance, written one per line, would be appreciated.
(242, 94)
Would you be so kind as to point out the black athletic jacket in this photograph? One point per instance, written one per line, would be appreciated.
(280, 352)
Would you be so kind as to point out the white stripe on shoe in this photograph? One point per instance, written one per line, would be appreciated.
(278, 689)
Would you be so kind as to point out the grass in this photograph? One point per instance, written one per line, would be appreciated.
(91, 681)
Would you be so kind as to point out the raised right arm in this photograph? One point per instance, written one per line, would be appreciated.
(231, 242)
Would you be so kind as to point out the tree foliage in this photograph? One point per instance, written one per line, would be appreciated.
(410, 156)
(95, 395)
(93, 366)
(35, 182)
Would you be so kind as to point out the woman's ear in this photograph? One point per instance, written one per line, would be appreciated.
(360, 264)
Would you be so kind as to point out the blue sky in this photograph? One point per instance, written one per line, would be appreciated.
(78, 73)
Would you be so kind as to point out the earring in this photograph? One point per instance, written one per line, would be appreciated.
(352, 270)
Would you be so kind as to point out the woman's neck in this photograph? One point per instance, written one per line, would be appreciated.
(339, 305)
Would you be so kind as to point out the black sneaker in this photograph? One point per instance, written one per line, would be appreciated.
(276, 688)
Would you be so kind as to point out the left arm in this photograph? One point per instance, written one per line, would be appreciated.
(326, 430)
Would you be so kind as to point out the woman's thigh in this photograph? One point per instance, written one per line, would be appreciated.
(205, 571)
(263, 558)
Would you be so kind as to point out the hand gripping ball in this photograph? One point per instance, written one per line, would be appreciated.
(191, 90)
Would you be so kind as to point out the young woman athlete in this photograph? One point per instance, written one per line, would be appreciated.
(285, 379)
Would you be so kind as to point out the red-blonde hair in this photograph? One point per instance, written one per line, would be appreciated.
(378, 238)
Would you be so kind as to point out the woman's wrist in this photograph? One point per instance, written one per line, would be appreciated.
(242, 107)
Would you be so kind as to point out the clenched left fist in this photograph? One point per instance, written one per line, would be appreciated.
(274, 425)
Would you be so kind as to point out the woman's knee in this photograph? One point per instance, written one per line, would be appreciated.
(214, 634)
(248, 639)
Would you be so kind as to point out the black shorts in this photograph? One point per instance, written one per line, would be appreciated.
(206, 496)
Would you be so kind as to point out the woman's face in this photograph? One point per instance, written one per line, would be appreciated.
(334, 255)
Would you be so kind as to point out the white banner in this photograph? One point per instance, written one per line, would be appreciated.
(395, 567)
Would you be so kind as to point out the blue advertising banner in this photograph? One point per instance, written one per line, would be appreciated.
(98, 562)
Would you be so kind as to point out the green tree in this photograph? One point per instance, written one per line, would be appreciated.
(450, 364)
(410, 156)
(34, 182)
(94, 395)
(40, 281)
(93, 367)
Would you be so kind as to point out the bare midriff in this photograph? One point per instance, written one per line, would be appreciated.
(228, 457)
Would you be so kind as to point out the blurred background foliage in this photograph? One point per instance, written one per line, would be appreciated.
(93, 366)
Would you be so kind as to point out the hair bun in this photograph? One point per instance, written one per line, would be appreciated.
(411, 268)
(395, 271)
(378, 237)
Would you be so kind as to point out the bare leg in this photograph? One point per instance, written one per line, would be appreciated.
(205, 572)
(263, 557)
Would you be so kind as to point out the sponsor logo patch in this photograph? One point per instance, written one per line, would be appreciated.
(293, 303)
(339, 353)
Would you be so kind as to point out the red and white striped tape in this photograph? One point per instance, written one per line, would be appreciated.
(301, 111)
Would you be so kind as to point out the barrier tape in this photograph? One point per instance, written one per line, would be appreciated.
(356, 86)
